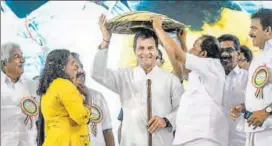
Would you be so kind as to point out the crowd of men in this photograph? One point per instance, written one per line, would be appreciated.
(227, 102)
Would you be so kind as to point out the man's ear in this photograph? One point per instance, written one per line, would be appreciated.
(238, 53)
(203, 54)
(3, 63)
(268, 30)
(163, 61)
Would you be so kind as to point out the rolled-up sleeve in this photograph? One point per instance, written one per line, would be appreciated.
(211, 74)
(207, 68)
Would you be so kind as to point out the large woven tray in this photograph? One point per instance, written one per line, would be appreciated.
(130, 22)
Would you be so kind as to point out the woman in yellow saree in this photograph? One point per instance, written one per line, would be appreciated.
(65, 116)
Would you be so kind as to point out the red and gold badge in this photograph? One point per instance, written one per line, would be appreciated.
(259, 79)
(96, 117)
(30, 107)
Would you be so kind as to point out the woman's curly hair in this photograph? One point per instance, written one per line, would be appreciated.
(54, 68)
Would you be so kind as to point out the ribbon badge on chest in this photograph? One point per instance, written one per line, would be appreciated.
(29, 107)
(96, 117)
(259, 79)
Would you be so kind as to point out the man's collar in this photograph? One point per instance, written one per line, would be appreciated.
(154, 69)
(237, 69)
(6, 79)
(268, 46)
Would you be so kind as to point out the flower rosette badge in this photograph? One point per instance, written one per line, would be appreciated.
(259, 79)
(96, 117)
(29, 106)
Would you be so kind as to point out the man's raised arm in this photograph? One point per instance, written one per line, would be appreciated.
(173, 49)
(105, 76)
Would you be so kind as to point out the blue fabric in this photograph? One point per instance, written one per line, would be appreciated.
(120, 116)
(23, 8)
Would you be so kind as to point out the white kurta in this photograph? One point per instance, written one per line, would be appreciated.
(200, 115)
(253, 104)
(234, 94)
(131, 85)
(98, 99)
(13, 130)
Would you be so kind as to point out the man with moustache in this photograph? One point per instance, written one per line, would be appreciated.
(100, 127)
(18, 126)
(131, 85)
(200, 116)
(258, 103)
(235, 83)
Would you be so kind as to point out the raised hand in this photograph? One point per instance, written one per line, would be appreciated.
(182, 35)
(103, 28)
(156, 21)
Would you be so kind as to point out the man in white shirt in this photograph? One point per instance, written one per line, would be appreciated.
(200, 117)
(258, 102)
(17, 129)
(235, 85)
(160, 62)
(100, 128)
(131, 85)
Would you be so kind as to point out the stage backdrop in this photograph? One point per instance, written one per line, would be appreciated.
(40, 26)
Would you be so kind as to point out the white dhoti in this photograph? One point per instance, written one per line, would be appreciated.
(201, 142)
(260, 138)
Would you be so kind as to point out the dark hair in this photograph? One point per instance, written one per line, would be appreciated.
(54, 68)
(265, 16)
(211, 45)
(145, 33)
(230, 37)
(247, 53)
(159, 54)
(77, 57)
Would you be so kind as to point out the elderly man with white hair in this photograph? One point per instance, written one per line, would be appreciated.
(18, 105)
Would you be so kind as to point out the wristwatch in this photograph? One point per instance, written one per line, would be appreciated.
(168, 124)
(269, 110)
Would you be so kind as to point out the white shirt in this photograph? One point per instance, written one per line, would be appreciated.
(13, 130)
(131, 85)
(252, 103)
(200, 114)
(98, 99)
(234, 94)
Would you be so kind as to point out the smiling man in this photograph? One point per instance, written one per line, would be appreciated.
(230, 50)
(131, 85)
(17, 129)
(258, 102)
(160, 62)
(100, 127)
(235, 83)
